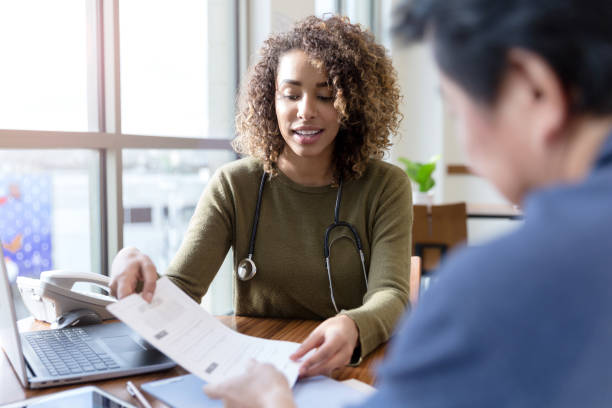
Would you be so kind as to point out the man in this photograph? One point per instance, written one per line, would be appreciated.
(526, 320)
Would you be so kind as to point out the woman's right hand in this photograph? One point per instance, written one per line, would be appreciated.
(129, 267)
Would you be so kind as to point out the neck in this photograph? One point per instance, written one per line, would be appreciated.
(578, 153)
(316, 171)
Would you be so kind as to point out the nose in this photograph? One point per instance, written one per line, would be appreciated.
(307, 108)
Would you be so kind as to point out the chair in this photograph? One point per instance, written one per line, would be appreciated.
(415, 279)
(435, 230)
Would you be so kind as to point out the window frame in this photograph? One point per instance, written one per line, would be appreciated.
(104, 122)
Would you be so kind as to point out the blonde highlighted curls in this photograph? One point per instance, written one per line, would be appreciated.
(363, 82)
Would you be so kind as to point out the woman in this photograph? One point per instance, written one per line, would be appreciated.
(315, 117)
(524, 320)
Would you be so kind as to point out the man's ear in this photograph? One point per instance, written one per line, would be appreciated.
(542, 95)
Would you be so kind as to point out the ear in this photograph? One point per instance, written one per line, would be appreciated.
(544, 101)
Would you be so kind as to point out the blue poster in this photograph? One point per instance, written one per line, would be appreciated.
(25, 223)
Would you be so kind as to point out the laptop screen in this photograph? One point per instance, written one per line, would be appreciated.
(9, 333)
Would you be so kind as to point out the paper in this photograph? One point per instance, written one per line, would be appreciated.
(323, 391)
(196, 340)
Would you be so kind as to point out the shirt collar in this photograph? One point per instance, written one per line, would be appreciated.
(605, 153)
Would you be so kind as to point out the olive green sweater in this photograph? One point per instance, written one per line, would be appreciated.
(291, 279)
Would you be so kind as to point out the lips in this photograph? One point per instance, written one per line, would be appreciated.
(307, 135)
(307, 131)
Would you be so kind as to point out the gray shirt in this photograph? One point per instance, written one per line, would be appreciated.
(525, 321)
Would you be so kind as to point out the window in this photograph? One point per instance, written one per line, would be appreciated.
(177, 76)
(161, 189)
(43, 77)
(45, 209)
(375, 15)
(99, 104)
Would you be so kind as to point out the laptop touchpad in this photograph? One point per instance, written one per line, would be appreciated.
(122, 344)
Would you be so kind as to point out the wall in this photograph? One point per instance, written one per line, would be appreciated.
(427, 131)
(422, 129)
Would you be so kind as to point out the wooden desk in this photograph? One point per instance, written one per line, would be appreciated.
(277, 329)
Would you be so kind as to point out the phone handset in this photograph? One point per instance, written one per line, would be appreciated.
(54, 295)
(67, 279)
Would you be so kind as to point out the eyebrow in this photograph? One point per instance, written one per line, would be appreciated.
(298, 83)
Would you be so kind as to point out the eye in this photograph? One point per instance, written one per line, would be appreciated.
(291, 97)
(326, 98)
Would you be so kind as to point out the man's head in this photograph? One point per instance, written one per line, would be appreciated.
(524, 77)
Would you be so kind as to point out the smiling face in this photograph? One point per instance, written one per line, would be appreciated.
(305, 111)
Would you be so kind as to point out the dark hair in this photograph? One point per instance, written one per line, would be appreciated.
(471, 39)
(364, 84)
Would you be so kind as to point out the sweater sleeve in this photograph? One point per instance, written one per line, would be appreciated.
(388, 277)
(207, 240)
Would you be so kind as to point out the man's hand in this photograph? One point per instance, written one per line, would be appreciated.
(335, 340)
(261, 385)
(129, 267)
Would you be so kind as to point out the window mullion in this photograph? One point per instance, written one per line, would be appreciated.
(112, 217)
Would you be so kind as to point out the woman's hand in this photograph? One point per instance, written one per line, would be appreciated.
(131, 266)
(261, 385)
(335, 339)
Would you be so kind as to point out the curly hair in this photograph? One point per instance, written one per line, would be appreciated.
(363, 83)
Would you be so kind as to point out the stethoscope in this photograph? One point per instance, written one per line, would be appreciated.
(247, 268)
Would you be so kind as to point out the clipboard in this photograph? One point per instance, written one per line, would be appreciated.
(184, 391)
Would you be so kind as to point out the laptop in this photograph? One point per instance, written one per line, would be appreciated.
(49, 358)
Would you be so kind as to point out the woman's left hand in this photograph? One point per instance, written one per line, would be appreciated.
(335, 340)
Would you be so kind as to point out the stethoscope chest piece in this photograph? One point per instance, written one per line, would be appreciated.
(247, 269)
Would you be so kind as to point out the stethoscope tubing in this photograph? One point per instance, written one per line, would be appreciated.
(326, 249)
(256, 216)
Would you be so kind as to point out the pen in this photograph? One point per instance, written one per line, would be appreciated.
(135, 392)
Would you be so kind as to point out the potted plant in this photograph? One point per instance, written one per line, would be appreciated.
(420, 174)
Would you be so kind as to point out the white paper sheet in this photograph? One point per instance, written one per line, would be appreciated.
(196, 340)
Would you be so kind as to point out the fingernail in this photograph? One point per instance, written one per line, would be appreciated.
(148, 297)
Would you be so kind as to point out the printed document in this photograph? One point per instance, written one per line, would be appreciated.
(196, 340)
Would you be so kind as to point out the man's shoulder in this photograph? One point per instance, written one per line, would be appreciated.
(532, 298)
(517, 269)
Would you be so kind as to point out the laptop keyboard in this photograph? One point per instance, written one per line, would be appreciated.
(69, 351)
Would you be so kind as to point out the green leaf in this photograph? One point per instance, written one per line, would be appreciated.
(412, 168)
(421, 173)
(426, 170)
(427, 185)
